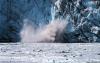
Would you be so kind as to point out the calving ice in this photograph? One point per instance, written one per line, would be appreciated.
(46, 33)
(65, 21)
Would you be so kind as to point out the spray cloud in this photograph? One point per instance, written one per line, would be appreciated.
(45, 33)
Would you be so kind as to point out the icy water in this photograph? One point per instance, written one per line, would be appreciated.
(49, 53)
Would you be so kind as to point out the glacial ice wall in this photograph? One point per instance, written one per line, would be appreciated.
(14, 12)
(82, 19)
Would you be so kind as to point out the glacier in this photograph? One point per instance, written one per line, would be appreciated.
(82, 20)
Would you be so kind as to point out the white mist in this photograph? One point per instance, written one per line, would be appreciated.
(45, 33)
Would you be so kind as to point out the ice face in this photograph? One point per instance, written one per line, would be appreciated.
(82, 19)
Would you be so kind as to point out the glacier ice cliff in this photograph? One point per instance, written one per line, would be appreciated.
(82, 19)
